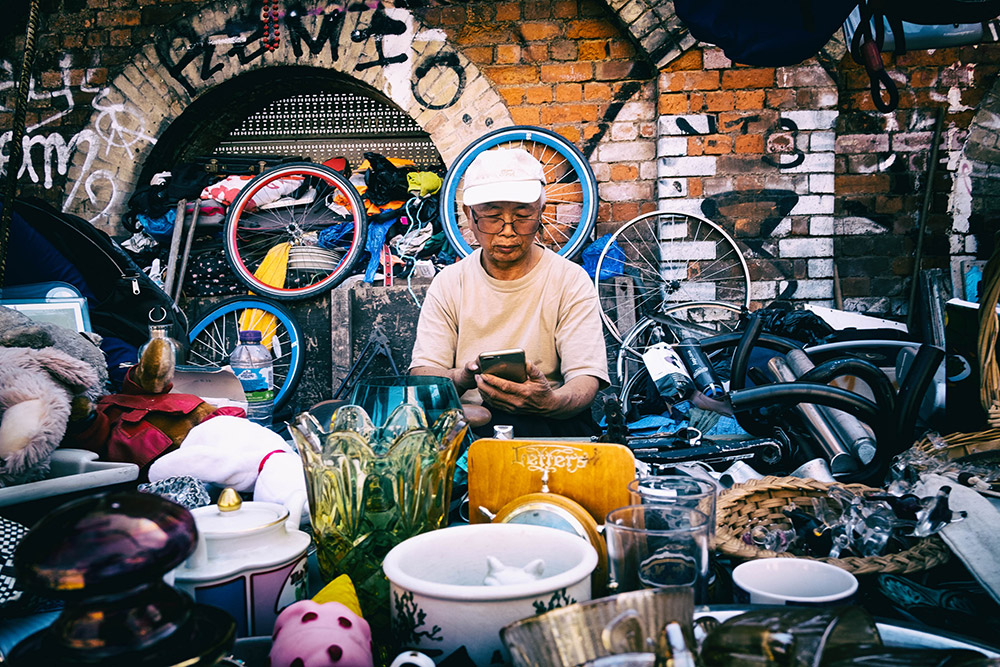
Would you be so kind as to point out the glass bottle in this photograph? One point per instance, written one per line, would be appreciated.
(163, 331)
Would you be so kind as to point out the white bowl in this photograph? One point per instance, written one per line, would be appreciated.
(439, 603)
(795, 581)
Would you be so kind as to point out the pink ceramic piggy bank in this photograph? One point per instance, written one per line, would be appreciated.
(308, 634)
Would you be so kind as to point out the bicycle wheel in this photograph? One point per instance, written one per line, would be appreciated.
(661, 259)
(570, 191)
(304, 243)
(217, 332)
(697, 319)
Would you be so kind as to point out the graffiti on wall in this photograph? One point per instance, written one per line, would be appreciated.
(47, 154)
(310, 32)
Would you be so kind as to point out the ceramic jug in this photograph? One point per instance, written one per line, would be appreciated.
(247, 561)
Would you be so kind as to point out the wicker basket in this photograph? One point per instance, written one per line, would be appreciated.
(956, 445)
(986, 348)
(759, 502)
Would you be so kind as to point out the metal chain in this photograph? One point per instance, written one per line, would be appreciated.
(17, 136)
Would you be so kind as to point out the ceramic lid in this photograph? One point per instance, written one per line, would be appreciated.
(231, 516)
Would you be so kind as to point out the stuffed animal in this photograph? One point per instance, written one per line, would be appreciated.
(229, 451)
(37, 388)
(47, 374)
(145, 420)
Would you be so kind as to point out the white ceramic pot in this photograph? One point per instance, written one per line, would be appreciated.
(438, 600)
(246, 562)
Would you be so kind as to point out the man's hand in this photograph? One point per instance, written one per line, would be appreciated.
(533, 395)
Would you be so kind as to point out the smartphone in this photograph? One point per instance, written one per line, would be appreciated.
(507, 364)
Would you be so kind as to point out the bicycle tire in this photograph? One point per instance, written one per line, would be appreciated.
(670, 259)
(253, 235)
(571, 189)
(216, 333)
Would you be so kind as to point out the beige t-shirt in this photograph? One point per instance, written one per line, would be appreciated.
(551, 313)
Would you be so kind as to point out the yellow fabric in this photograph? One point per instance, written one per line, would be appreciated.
(340, 590)
(423, 182)
(272, 271)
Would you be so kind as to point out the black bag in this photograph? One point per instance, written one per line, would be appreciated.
(126, 299)
(386, 182)
(765, 33)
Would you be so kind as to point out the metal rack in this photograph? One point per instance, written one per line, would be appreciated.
(324, 125)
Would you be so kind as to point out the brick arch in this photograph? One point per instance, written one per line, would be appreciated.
(388, 50)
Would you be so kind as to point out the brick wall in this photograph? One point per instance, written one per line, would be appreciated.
(568, 66)
(794, 161)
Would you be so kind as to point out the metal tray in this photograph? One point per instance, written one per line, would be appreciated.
(71, 470)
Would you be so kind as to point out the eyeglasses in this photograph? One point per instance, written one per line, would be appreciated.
(494, 224)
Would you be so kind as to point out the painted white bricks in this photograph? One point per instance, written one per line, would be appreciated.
(679, 125)
(822, 142)
(809, 289)
(821, 225)
(625, 191)
(812, 120)
(702, 165)
(820, 268)
(814, 163)
(805, 247)
(671, 146)
(814, 205)
(856, 225)
(821, 183)
(671, 187)
(626, 151)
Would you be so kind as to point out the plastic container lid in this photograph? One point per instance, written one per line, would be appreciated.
(250, 336)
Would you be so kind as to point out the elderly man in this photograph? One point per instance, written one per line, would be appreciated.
(514, 293)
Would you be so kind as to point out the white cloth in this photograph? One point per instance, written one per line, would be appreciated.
(975, 539)
(230, 451)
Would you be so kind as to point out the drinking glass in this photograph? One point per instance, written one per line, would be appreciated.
(655, 545)
(681, 490)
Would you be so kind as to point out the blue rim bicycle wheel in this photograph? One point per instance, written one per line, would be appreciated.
(571, 189)
(216, 333)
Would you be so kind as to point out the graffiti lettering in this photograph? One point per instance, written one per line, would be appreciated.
(625, 93)
(769, 207)
(781, 142)
(176, 69)
(330, 26)
(743, 123)
(382, 25)
(118, 126)
(423, 91)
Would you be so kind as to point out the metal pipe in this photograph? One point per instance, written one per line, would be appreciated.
(849, 429)
(834, 450)
(911, 393)
(872, 375)
(922, 223)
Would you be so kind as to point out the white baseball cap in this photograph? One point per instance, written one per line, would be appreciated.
(505, 174)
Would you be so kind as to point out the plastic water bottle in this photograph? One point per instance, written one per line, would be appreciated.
(253, 365)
